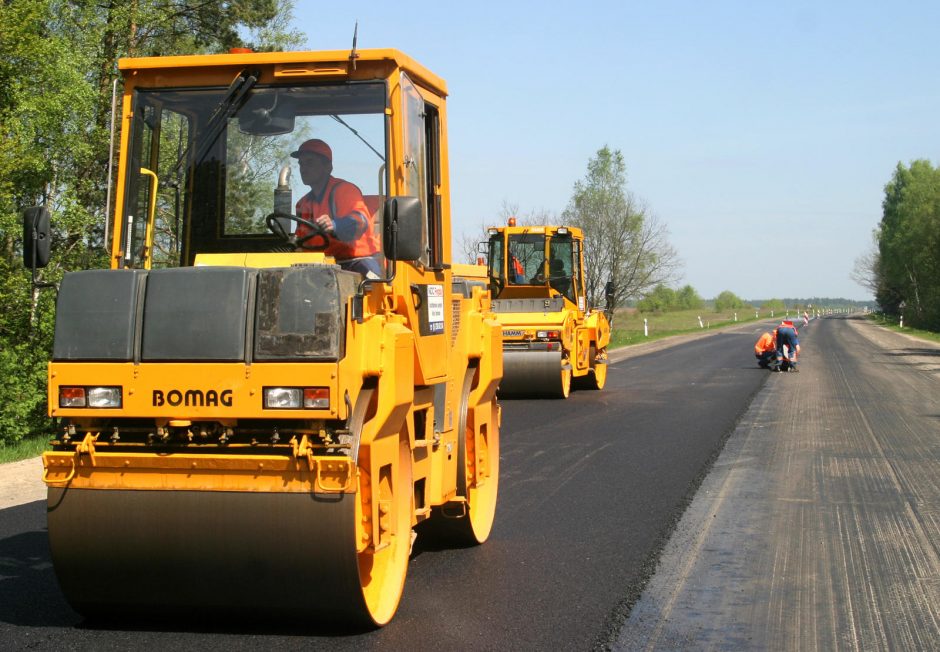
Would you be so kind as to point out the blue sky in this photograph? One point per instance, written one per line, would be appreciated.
(760, 134)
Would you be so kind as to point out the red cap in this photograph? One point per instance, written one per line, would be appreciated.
(314, 146)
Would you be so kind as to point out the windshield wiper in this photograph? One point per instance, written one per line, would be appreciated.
(233, 100)
(356, 133)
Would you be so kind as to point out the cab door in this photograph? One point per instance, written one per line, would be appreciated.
(431, 303)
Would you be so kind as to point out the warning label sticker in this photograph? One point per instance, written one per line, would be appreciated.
(436, 308)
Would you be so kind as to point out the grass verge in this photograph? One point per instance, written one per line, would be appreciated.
(23, 449)
(891, 323)
(629, 324)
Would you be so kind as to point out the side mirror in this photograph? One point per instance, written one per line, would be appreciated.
(36, 240)
(403, 229)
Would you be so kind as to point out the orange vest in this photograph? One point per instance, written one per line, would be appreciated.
(767, 342)
(340, 200)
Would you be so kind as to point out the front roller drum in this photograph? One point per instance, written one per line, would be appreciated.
(273, 556)
(535, 374)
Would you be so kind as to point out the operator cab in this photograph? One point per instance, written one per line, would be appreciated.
(526, 260)
(210, 171)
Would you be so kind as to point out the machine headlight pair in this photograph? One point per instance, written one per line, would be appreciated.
(90, 397)
(296, 398)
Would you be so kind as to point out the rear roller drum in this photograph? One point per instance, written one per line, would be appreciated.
(535, 374)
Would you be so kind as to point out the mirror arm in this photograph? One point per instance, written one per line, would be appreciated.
(391, 269)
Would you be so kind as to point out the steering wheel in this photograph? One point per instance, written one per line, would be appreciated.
(277, 228)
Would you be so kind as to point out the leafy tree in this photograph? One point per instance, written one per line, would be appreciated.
(777, 305)
(908, 262)
(688, 299)
(625, 245)
(728, 300)
(661, 299)
(58, 61)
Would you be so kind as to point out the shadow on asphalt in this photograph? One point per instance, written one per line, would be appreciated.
(31, 595)
(914, 352)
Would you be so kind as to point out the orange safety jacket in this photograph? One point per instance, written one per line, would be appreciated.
(767, 342)
(343, 202)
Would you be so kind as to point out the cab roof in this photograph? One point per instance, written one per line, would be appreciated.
(301, 65)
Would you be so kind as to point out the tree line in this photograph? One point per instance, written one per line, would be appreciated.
(903, 267)
(58, 65)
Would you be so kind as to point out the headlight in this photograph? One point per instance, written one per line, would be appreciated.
(548, 335)
(283, 398)
(90, 397)
(104, 397)
(295, 398)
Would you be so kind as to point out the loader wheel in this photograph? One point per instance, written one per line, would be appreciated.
(478, 475)
(565, 388)
(598, 376)
(384, 564)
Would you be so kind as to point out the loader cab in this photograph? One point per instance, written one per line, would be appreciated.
(209, 167)
(535, 261)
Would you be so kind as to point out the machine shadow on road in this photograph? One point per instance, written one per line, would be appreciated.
(31, 595)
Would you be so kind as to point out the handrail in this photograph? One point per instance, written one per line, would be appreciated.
(151, 216)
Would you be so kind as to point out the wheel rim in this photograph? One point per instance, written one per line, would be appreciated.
(382, 572)
(565, 389)
(481, 495)
(600, 376)
(599, 370)
(478, 457)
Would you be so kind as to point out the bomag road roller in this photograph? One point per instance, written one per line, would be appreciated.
(244, 425)
(550, 337)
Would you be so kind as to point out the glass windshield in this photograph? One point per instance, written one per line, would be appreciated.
(526, 259)
(218, 178)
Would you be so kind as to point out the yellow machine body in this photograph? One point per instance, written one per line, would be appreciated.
(251, 431)
(551, 338)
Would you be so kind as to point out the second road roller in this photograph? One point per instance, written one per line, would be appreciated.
(271, 386)
(551, 338)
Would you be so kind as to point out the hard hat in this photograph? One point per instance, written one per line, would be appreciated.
(314, 146)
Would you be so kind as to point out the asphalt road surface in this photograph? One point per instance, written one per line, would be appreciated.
(590, 491)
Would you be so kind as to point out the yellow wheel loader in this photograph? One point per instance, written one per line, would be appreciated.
(550, 337)
(246, 425)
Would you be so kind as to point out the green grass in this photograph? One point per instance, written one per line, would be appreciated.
(891, 323)
(628, 324)
(23, 449)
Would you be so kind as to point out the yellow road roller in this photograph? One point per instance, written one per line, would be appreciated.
(255, 405)
(550, 337)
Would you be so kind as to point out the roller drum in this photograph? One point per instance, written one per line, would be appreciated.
(533, 374)
(195, 552)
